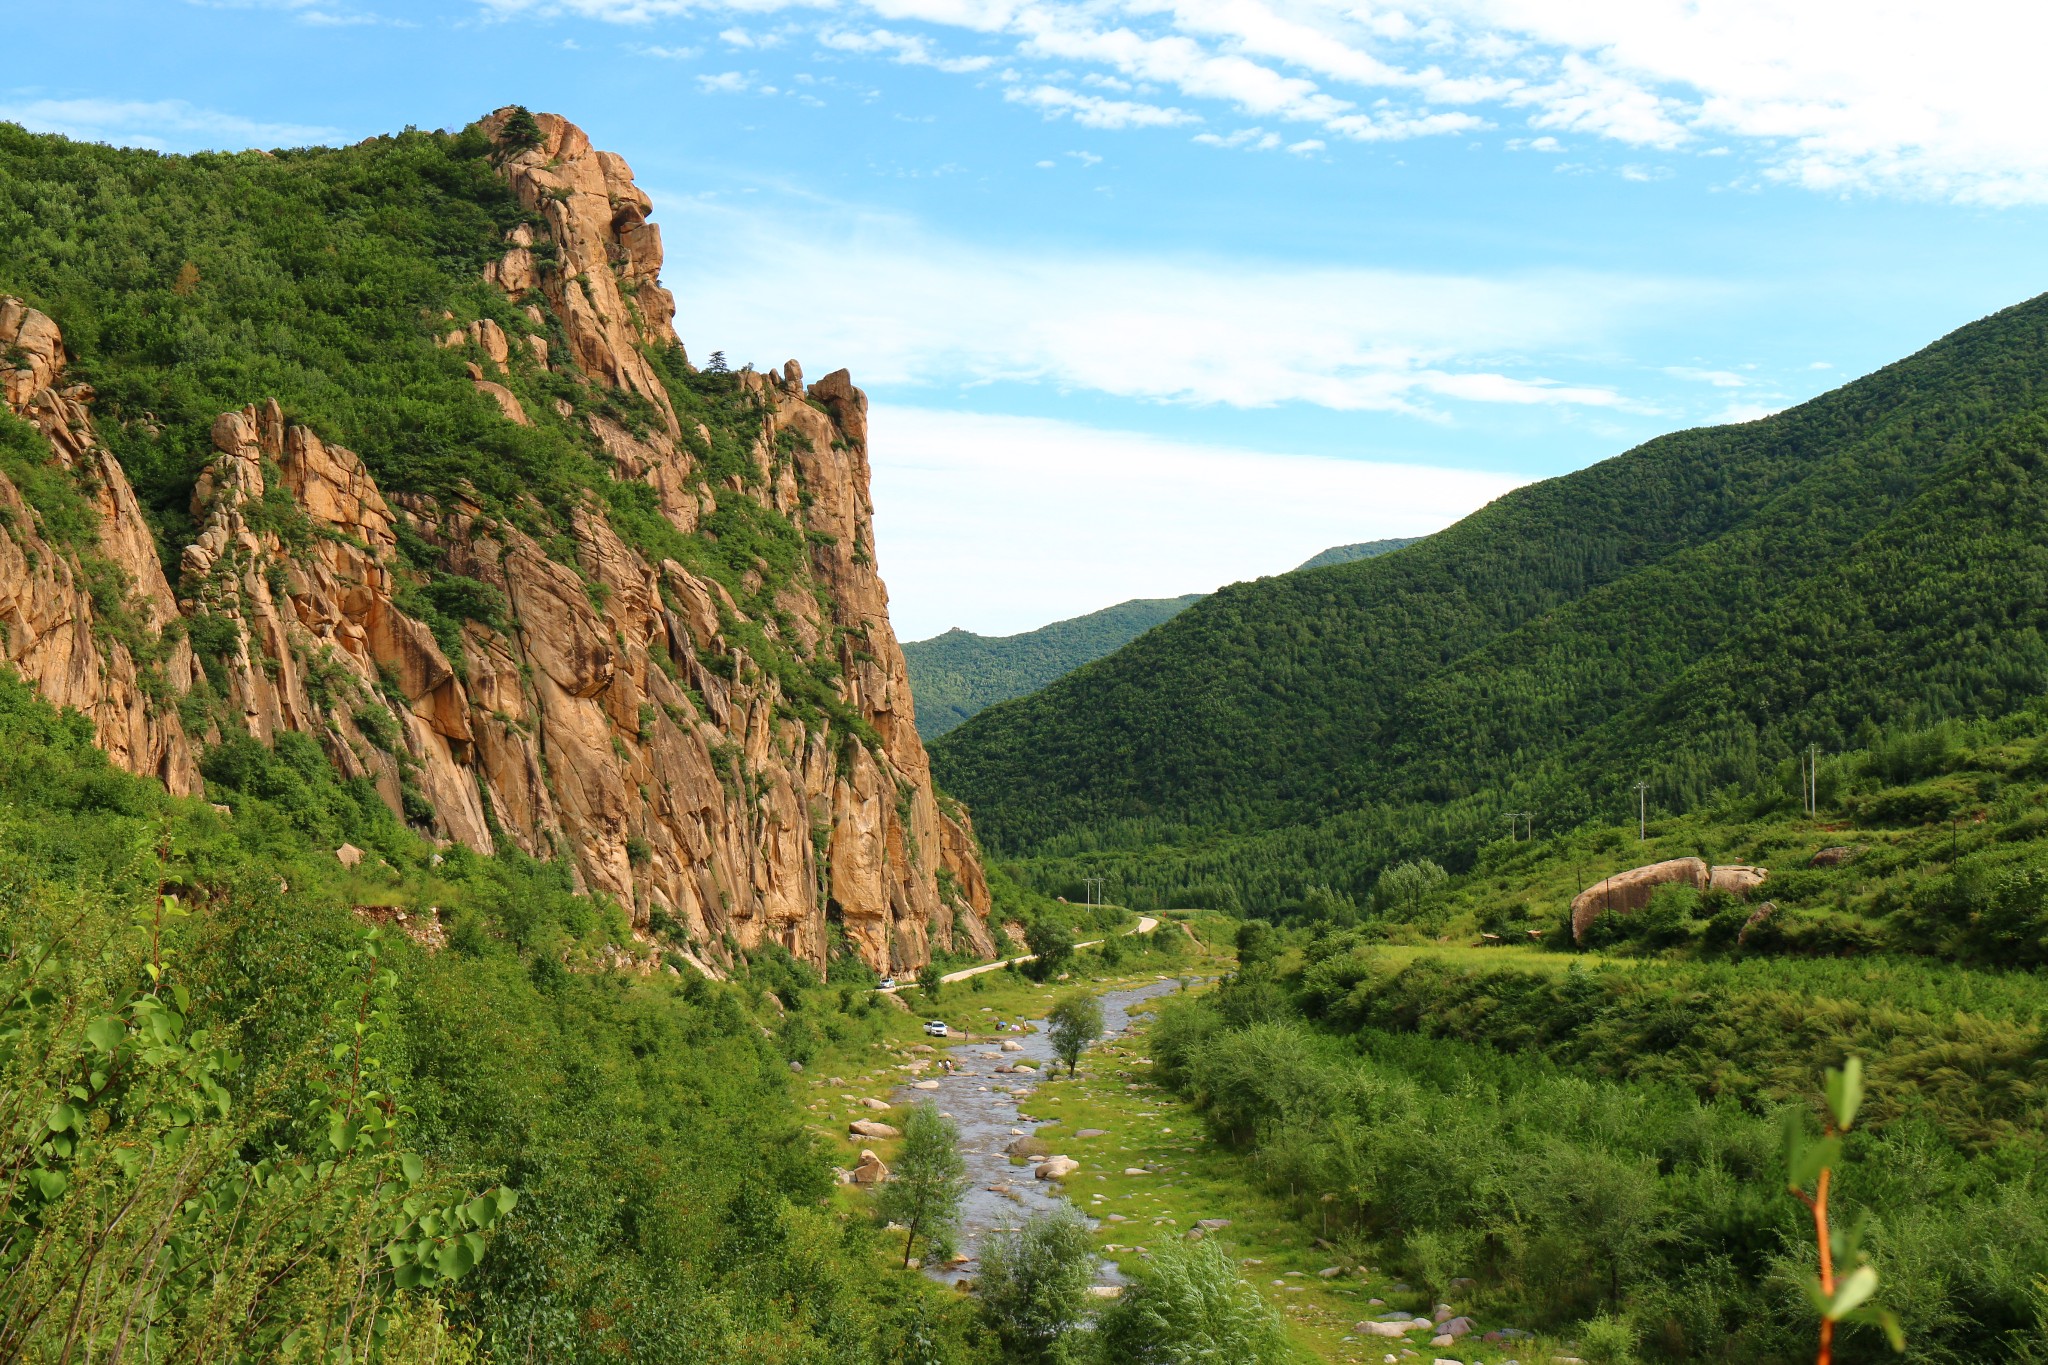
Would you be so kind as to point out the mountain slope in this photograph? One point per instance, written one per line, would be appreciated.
(960, 674)
(394, 446)
(1651, 615)
(1346, 554)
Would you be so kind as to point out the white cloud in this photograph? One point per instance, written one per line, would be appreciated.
(724, 83)
(1307, 146)
(1255, 139)
(1000, 524)
(906, 48)
(1720, 379)
(1093, 111)
(1891, 96)
(167, 125)
(914, 310)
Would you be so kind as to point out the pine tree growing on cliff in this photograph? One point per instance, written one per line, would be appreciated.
(923, 1195)
(521, 131)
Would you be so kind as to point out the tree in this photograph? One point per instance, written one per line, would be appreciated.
(924, 1193)
(521, 131)
(1406, 887)
(716, 364)
(1075, 1022)
(1189, 1305)
(1034, 1281)
(1053, 943)
(931, 981)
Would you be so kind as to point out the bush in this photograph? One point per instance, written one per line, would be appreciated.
(1034, 1281)
(1188, 1304)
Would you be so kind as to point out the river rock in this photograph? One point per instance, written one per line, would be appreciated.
(871, 1170)
(1012, 1045)
(869, 1128)
(1382, 1329)
(1056, 1168)
(924, 1085)
(1458, 1327)
(1136, 1170)
(873, 1103)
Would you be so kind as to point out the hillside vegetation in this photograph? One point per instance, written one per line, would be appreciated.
(1346, 554)
(1688, 614)
(960, 674)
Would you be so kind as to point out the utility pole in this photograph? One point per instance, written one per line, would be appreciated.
(1642, 811)
(1813, 779)
(1528, 823)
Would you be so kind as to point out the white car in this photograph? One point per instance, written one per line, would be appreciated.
(888, 983)
(935, 1028)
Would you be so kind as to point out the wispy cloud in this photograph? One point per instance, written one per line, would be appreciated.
(920, 310)
(1093, 111)
(166, 125)
(1839, 96)
(906, 48)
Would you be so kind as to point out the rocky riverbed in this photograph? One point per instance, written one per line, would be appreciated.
(992, 1108)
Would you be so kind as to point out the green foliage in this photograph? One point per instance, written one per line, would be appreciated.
(1348, 554)
(923, 1194)
(1692, 613)
(1189, 1306)
(1466, 1129)
(1052, 941)
(1073, 1023)
(64, 515)
(960, 674)
(1034, 1282)
(627, 1112)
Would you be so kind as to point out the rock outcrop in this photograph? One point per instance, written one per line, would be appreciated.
(586, 702)
(1626, 892)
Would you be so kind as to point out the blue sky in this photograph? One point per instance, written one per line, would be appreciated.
(1155, 294)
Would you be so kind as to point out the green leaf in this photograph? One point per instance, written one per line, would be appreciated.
(508, 1198)
(49, 1184)
(1853, 1292)
(414, 1168)
(106, 1032)
(63, 1117)
(1845, 1092)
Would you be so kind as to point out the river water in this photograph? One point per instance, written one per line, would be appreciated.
(991, 1115)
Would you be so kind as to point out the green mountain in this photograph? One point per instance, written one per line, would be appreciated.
(1345, 554)
(1686, 615)
(960, 674)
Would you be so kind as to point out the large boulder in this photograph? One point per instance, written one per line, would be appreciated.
(1626, 892)
(1056, 1168)
(871, 1170)
(869, 1128)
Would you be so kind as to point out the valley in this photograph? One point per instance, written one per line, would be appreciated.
(462, 797)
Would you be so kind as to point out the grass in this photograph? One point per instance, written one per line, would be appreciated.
(1192, 1177)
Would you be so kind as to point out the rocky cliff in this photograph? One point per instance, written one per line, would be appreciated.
(735, 776)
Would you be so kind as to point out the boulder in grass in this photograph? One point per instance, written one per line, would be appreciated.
(1056, 1168)
(1213, 1224)
(1458, 1327)
(870, 1171)
(1330, 1272)
(869, 1128)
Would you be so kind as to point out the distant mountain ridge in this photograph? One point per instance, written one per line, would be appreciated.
(1365, 549)
(960, 674)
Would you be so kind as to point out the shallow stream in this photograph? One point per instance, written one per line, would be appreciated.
(992, 1111)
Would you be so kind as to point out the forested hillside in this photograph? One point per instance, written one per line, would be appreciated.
(1686, 614)
(1346, 554)
(960, 674)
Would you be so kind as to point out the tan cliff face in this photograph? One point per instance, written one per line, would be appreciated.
(608, 714)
